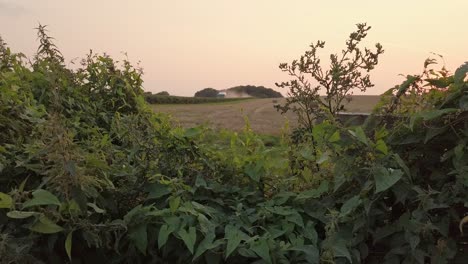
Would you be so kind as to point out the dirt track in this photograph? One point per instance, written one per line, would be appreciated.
(262, 115)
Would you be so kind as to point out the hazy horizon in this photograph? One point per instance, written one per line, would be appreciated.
(187, 46)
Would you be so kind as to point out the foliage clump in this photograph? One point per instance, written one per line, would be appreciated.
(89, 174)
(347, 71)
(207, 92)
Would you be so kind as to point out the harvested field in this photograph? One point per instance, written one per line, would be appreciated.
(261, 114)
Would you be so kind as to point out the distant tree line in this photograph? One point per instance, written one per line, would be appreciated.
(249, 90)
(170, 99)
(207, 92)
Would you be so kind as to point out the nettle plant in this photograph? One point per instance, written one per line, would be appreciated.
(347, 71)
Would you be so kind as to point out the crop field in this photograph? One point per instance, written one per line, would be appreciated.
(262, 116)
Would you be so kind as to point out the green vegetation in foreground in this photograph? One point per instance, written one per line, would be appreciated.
(89, 174)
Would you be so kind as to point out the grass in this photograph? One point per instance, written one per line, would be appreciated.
(262, 116)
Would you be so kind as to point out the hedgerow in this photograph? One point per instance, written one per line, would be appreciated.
(89, 174)
(171, 99)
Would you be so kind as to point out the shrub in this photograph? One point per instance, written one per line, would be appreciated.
(89, 174)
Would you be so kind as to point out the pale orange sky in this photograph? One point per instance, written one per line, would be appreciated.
(185, 46)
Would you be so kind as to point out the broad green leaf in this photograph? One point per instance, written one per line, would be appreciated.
(381, 146)
(42, 197)
(433, 132)
(340, 250)
(68, 244)
(139, 237)
(5, 200)
(206, 244)
(413, 239)
(402, 164)
(254, 171)
(385, 232)
(385, 178)
(334, 137)
(192, 132)
(260, 247)
(311, 252)
(360, 135)
(174, 203)
(233, 237)
(157, 190)
(323, 157)
(430, 115)
(164, 233)
(310, 232)
(248, 253)
(306, 153)
(200, 182)
(296, 218)
(315, 193)
(45, 226)
(21, 214)
(189, 237)
(464, 102)
(460, 74)
(350, 205)
(281, 210)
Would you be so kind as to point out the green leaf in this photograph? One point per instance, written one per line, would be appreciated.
(5, 200)
(200, 182)
(385, 178)
(42, 197)
(360, 135)
(431, 115)
(323, 157)
(45, 226)
(311, 252)
(350, 205)
(381, 146)
(310, 232)
(164, 233)
(189, 237)
(460, 73)
(306, 153)
(315, 193)
(139, 237)
(157, 190)
(334, 137)
(21, 214)
(23, 183)
(340, 250)
(402, 164)
(260, 247)
(281, 210)
(192, 132)
(206, 244)
(233, 237)
(464, 102)
(433, 132)
(413, 239)
(96, 208)
(68, 244)
(254, 171)
(296, 218)
(174, 203)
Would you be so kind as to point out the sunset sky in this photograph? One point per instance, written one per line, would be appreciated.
(185, 46)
